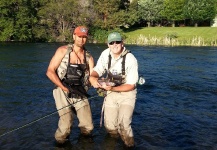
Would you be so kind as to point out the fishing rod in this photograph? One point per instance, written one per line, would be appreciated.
(141, 81)
(50, 114)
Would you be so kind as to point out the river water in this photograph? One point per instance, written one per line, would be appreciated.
(175, 109)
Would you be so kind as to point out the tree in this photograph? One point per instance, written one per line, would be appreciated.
(115, 13)
(132, 14)
(58, 18)
(200, 10)
(149, 10)
(17, 19)
(108, 13)
(173, 10)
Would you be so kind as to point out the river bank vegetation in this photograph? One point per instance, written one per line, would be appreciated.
(178, 36)
(170, 22)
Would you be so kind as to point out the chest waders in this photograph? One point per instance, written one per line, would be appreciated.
(116, 79)
(75, 76)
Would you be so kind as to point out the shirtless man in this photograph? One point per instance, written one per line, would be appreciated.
(69, 70)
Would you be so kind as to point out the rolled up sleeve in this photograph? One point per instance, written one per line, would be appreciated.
(102, 63)
(131, 70)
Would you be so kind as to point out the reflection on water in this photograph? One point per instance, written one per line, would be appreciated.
(175, 109)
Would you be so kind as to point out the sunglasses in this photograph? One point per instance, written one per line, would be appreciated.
(115, 42)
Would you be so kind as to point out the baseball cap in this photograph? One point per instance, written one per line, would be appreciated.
(115, 36)
(81, 31)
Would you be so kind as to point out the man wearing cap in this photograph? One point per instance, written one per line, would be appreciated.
(121, 68)
(69, 70)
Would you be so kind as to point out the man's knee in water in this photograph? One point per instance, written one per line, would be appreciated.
(85, 131)
(128, 140)
(113, 133)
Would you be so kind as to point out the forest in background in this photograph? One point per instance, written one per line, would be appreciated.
(55, 20)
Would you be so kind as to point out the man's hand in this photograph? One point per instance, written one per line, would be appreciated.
(94, 80)
(106, 87)
(95, 83)
(65, 89)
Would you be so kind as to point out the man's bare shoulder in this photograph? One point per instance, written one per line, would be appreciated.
(60, 53)
(62, 49)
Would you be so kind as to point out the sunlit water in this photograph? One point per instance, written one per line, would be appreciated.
(175, 109)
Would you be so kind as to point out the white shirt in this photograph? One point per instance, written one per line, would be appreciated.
(131, 65)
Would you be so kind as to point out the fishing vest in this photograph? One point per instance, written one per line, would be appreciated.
(118, 79)
(78, 74)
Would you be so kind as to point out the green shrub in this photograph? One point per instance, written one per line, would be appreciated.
(98, 35)
(172, 35)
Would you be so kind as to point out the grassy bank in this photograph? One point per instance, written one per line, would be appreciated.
(173, 36)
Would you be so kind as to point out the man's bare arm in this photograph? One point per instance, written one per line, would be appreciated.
(54, 63)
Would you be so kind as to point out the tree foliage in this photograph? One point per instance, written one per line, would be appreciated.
(59, 17)
(109, 14)
(149, 10)
(132, 14)
(200, 10)
(17, 19)
(55, 20)
(115, 13)
(173, 10)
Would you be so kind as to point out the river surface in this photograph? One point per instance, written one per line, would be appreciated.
(175, 109)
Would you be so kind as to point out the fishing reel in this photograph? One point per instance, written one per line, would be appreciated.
(141, 80)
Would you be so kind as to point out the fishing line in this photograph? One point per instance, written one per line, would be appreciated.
(43, 117)
(141, 81)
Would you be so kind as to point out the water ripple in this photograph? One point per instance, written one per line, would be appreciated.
(175, 109)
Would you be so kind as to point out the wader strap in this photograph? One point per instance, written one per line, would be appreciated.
(67, 55)
(123, 62)
(109, 63)
(85, 60)
(123, 65)
(70, 49)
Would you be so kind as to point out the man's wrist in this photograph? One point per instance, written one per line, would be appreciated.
(112, 88)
